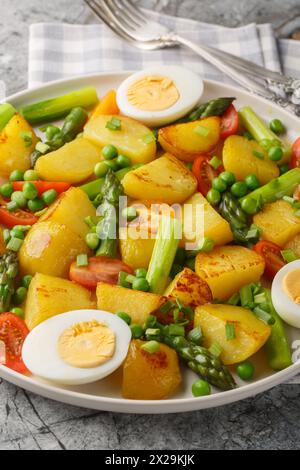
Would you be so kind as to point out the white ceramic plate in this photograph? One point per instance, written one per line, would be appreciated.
(105, 395)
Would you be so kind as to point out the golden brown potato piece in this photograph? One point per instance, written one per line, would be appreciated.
(278, 222)
(73, 163)
(251, 333)
(226, 269)
(49, 296)
(63, 211)
(239, 158)
(186, 141)
(165, 180)
(190, 289)
(150, 376)
(15, 152)
(50, 248)
(139, 305)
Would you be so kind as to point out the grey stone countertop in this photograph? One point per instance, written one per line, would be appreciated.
(27, 421)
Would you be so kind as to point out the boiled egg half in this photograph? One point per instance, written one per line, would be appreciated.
(160, 95)
(77, 348)
(286, 293)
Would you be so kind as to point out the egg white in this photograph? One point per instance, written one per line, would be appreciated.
(188, 83)
(288, 310)
(40, 351)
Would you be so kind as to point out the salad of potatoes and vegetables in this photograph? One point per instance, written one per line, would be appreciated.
(150, 231)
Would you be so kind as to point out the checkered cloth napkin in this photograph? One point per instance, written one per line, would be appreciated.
(59, 51)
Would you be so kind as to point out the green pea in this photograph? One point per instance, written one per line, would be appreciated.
(30, 191)
(112, 164)
(137, 331)
(275, 154)
(6, 190)
(252, 182)
(213, 197)
(125, 317)
(19, 312)
(249, 205)
(123, 161)
(141, 273)
(219, 185)
(20, 295)
(201, 388)
(49, 197)
(141, 284)
(110, 152)
(36, 205)
(26, 281)
(228, 177)
(239, 189)
(92, 241)
(245, 370)
(19, 198)
(277, 127)
(31, 175)
(16, 175)
(17, 233)
(101, 170)
(12, 206)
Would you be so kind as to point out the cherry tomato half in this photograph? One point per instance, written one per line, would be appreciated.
(229, 122)
(100, 269)
(19, 217)
(272, 256)
(295, 159)
(204, 173)
(13, 331)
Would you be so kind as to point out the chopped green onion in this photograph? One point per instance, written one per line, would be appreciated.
(152, 347)
(258, 155)
(289, 256)
(246, 295)
(42, 148)
(151, 322)
(196, 336)
(152, 333)
(215, 162)
(15, 244)
(82, 261)
(235, 300)
(260, 298)
(230, 331)
(114, 124)
(289, 199)
(27, 137)
(254, 233)
(264, 316)
(202, 131)
(216, 350)
(164, 309)
(176, 330)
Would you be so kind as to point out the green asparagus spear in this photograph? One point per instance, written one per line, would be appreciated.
(231, 210)
(107, 228)
(285, 185)
(164, 254)
(59, 107)
(94, 188)
(260, 131)
(277, 348)
(7, 111)
(200, 360)
(215, 107)
(72, 126)
(9, 270)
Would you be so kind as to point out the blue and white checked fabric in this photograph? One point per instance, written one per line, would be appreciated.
(61, 51)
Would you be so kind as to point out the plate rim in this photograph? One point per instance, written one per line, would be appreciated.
(121, 405)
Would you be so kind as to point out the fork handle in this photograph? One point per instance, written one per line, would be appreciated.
(247, 82)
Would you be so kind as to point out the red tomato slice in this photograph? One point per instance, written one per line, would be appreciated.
(101, 269)
(272, 256)
(229, 122)
(13, 332)
(295, 159)
(19, 217)
(43, 186)
(204, 173)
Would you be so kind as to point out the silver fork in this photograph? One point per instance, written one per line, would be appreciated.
(129, 22)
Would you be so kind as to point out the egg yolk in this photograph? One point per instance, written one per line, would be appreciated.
(87, 345)
(291, 285)
(155, 93)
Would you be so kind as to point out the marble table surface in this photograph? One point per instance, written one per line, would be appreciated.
(27, 421)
